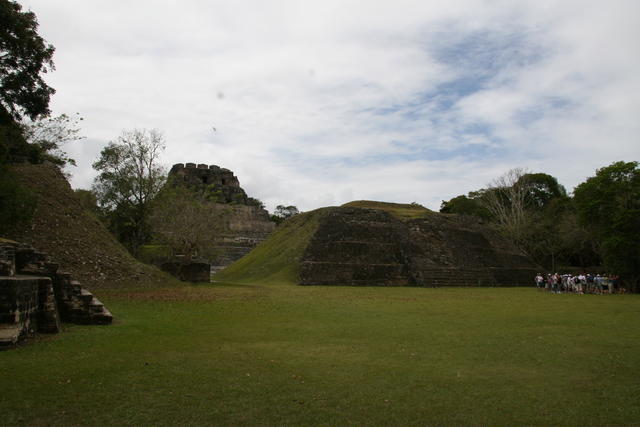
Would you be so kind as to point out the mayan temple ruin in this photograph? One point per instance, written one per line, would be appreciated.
(35, 296)
(247, 222)
(364, 243)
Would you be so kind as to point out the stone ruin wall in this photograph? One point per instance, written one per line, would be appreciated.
(198, 177)
(35, 296)
(356, 246)
(245, 226)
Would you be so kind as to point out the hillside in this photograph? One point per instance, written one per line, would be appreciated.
(402, 211)
(277, 259)
(76, 239)
(366, 243)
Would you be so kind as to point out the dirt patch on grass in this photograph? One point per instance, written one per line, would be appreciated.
(195, 294)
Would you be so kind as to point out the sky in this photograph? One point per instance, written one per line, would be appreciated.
(318, 103)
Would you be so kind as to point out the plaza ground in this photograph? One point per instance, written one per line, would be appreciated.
(279, 354)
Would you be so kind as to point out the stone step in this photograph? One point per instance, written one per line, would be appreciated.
(103, 318)
(9, 335)
(63, 275)
(96, 306)
(85, 296)
(76, 287)
(461, 283)
(51, 267)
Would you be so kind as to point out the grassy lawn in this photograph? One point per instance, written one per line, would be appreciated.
(288, 355)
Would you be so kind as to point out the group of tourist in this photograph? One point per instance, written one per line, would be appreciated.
(579, 284)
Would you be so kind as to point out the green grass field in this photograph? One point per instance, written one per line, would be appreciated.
(289, 355)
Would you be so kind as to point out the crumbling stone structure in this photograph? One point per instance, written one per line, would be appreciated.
(211, 178)
(246, 222)
(194, 271)
(358, 246)
(36, 297)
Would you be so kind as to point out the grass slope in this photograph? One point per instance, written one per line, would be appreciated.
(276, 260)
(399, 210)
(286, 355)
(75, 238)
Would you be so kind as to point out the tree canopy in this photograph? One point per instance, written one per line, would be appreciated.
(465, 205)
(185, 222)
(540, 189)
(24, 57)
(608, 204)
(130, 176)
(534, 211)
(283, 212)
(48, 135)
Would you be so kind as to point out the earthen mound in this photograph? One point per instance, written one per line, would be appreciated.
(384, 244)
(75, 238)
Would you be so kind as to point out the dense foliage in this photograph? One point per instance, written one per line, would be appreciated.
(608, 205)
(283, 212)
(130, 176)
(47, 135)
(24, 56)
(599, 226)
(17, 203)
(185, 222)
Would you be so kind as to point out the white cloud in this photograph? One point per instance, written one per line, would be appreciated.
(321, 103)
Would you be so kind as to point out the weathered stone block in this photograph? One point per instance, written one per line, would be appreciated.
(37, 298)
(195, 271)
(357, 246)
(245, 223)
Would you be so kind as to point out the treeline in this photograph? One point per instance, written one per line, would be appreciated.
(27, 132)
(597, 226)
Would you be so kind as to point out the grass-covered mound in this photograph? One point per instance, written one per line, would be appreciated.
(74, 237)
(367, 243)
(401, 211)
(335, 356)
(277, 259)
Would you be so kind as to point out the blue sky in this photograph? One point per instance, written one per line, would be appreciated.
(321, 103)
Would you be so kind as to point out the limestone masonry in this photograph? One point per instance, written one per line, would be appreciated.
(201, 177)
(356, 246)
(247, 223)
(35, 296)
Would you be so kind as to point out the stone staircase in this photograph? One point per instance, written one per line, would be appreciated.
(443, 276)
(35, 296)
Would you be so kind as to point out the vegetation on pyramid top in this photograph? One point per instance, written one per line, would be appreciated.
(402, 211)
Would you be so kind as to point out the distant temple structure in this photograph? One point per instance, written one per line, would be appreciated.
(247, 223)
(201, 177)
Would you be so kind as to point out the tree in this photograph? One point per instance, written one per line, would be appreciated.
(507, 203)
(580, 246)
(130, 176)
(186, 223)
(540, 189)
(49, 134)
(608, 204)
(24, 55)
(88, 201)
(17, 202)
(465, 205)
(544, 238)
(283, 212)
